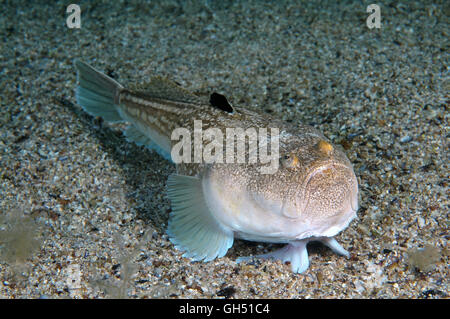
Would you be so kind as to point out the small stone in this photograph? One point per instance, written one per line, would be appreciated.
(420, 221)
(406, 139)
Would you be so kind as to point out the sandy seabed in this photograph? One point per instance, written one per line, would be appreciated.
(83, 213)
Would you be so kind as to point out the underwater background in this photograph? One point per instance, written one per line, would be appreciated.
(83, 213)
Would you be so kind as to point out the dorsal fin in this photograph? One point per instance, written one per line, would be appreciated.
(163, 88)
(220, 101)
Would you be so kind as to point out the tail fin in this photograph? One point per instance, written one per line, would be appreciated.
(97, 93)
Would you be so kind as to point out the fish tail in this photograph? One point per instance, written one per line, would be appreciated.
(97, 93)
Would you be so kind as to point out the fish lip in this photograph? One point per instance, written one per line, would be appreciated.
(317, 169)
(324, 166)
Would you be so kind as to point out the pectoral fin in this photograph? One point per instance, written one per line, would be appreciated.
(192, 228)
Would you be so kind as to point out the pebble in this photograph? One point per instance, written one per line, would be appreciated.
(406, 139)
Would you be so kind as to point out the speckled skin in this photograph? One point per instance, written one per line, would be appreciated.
(313, 194)
(322, 200)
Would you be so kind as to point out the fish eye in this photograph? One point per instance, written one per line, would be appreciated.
(289, 161)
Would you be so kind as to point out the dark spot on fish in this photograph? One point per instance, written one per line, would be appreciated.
(219, 101)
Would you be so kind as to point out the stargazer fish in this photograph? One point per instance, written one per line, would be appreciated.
(312, 194)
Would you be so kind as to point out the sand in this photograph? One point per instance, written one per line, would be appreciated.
(83, 213)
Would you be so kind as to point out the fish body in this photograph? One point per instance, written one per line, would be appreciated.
(309, 192)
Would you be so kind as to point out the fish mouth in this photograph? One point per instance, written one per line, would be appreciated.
(330, 194)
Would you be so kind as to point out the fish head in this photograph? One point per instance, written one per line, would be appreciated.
(315, 187)
(314, 192)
